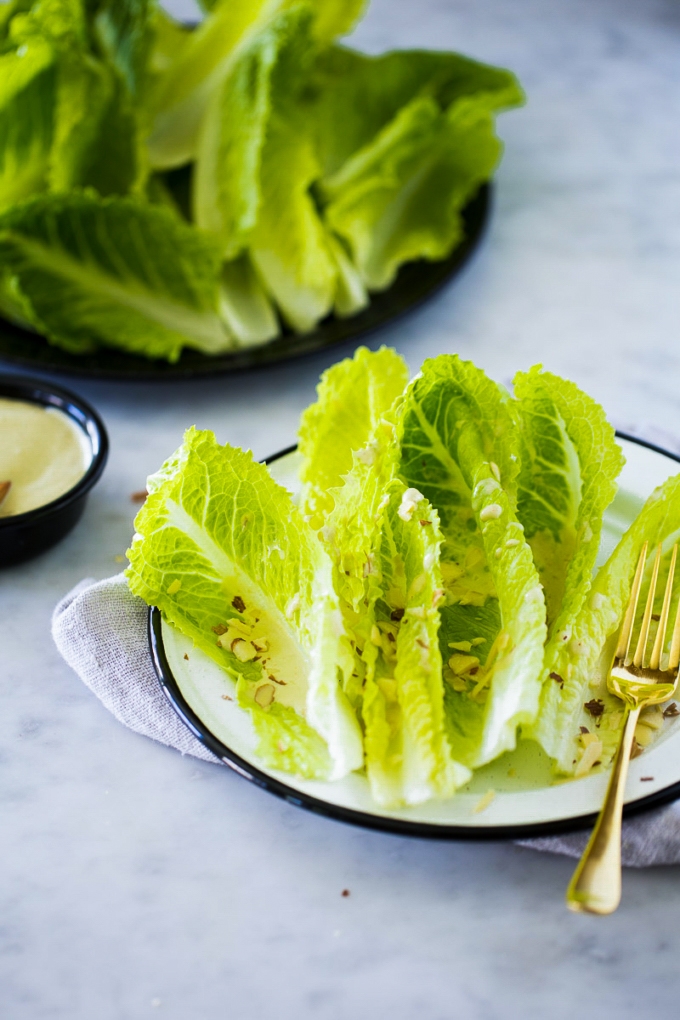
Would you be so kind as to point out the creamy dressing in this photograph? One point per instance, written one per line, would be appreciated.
(43, 453)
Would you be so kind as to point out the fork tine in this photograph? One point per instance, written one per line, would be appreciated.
(674, 657)
(663, 622)
(638, 658)
(627, 627)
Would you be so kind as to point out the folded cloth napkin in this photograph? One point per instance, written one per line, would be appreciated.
(101, 630)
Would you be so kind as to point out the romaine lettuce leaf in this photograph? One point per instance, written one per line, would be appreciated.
(227, 191)
(114, 272)
(27, 84)
(570, 462)
(352, 397)
(459, 449)
(404, 141)
(244, 305)
(408, 756)
(584, 647)
(229, 560)
(96, 139)
(182, 94)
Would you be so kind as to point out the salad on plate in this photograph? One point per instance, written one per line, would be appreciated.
(430, 597)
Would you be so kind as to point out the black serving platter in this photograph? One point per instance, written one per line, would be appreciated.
(23, 536)
(396, 825)
(415, 283)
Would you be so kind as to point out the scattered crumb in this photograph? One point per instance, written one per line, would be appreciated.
(646, 779)
(512, 773)
(138, 497)
(483, 803)
(584, 729)
(594, 707)
(345, 892)
(227, 697)
(558, 679)
(671, 710)
(186, 656)
(119, 559)
(238, 604)
(423, 524)
(397, 615)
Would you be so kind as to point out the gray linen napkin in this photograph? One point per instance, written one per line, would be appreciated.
(101, 630)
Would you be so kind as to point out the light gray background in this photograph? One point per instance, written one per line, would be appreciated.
(139, 884)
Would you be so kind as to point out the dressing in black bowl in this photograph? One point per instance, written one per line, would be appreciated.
(27, 533)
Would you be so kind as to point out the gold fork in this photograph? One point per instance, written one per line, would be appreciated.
(639, 683)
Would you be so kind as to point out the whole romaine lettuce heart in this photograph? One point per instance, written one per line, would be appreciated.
(218, 539)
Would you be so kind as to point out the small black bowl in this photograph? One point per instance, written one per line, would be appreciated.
(23, 536)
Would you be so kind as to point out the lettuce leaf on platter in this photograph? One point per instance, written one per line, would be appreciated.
(229, 560)
(114, 272)
(405, 140)
(585, 645)
(96, 137)
(27, 85)
(182, 95)
(459, 450)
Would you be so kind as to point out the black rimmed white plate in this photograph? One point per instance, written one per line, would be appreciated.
(526, 803)
(415, 283)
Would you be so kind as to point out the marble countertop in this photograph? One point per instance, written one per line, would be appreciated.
(136, 883)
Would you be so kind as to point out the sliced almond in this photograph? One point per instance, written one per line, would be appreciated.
(264, 695)
(243, 650)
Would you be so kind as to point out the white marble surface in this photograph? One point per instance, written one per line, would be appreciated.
(139, 884)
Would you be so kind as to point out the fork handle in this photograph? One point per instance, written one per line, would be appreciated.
(596, 885)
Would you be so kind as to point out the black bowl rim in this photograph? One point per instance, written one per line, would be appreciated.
(362, 819)
(26, 388)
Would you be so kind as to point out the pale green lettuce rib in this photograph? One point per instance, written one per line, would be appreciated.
(459, 449)
(217, 534)
(353, 396)
(583, 649)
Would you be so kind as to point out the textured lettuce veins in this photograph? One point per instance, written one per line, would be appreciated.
(431, 600)
(309, 171)
(231, 563)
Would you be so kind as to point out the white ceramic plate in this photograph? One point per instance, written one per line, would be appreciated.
(527, 802)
